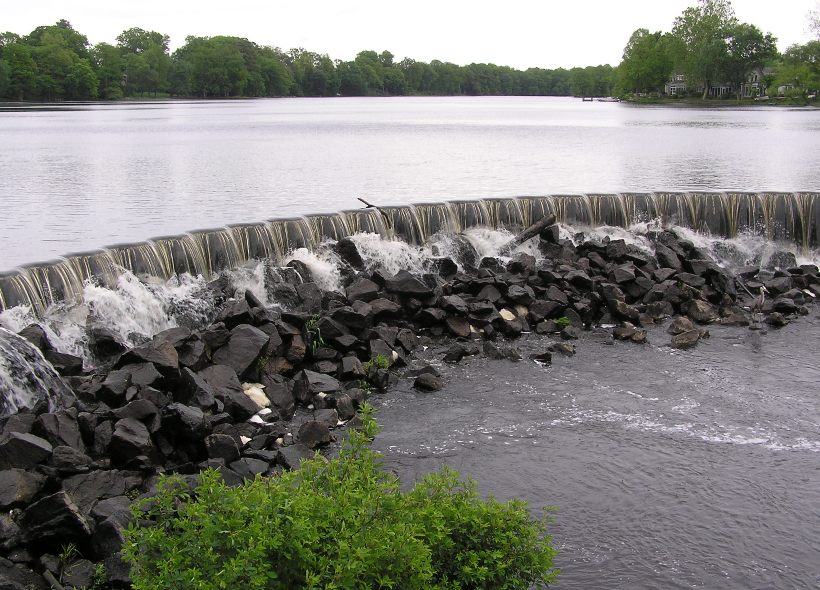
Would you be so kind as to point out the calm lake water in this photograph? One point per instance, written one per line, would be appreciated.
(79, 177)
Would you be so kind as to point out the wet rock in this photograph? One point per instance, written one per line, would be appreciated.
(234, 313)
(349, 253)
(542, 358)
(622, 274)
(362, 289)
(310, 296)
(70, 461)
(87, 489)
(314, 434)
(228, 390)
(195, 390)
(345, 407)
(784, 305)
(351, 368)
(579, 278)
(777, 319)
(686, 339)
(65, 364)
(54, 521)
(540, 310)
(406, 284)
(563, 348)
(19, 577)
(427, 382)
(455, 353)
(103, 342)
(307, 384)
(667, 258)
(680, 325)
(383, 308)
(280, 395)
(501, 352)
(570, 332)
(702, 312)
(35, 334)
(19, 487)
(244, 348)
(159, 352)
(23, 450)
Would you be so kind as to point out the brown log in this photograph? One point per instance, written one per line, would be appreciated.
(528, 233)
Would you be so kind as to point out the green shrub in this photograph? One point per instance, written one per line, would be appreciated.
(338, 524)
(563, 322)
(380, 361)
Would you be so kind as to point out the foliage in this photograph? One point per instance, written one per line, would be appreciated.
(379, 361)
(799, 74)
(313, 333)
(342, 523)
(647, 63)
(563, 322)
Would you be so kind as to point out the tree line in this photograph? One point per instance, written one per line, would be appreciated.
(709, 47)
(56, 62)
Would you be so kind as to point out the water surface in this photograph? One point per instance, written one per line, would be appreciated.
(80, 177)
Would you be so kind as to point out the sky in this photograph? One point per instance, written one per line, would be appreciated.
(517, 33)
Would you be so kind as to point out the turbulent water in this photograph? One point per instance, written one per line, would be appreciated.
(669, 469)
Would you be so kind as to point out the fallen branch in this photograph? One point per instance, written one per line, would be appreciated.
(528, 233)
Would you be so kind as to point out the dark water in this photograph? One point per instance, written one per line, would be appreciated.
(670, 469)
(85, 176)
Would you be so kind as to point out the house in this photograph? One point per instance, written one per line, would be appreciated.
(676, 86)
(755, 84)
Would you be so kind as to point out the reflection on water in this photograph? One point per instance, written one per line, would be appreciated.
(81, 176)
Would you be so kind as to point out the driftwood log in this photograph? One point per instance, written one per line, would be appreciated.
(528, 233)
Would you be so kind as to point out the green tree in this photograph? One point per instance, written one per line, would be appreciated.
(22, 68)
(81, 82)
(352, 81)
(5, 78)
(748, 50)
(147, 63)
(800, 69)
(701, 33)
(61, 34)
(110, 68)
(647, 63)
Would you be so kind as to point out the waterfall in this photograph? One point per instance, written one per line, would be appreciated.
(791, 217)
(26, 377)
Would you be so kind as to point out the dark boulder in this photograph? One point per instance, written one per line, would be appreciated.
(130, 439)
(19, 487)
(306, 384)
(60, 429)
(23, 450)
(458, 326)
(241, 353)
(686, 339)
(54, 521)
(185, 422)
(702, 312)
(348, 251)
(313, 434)
(362, 289)
(427, 382)
(406, 284)
(291, 456)
(222, 446)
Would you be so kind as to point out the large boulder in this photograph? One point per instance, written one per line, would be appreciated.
(18, 487)
(406, 284)
(130, 439)
(23, 450)
(53, 522)
(245, 345)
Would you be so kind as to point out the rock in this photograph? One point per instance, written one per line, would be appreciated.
(427, 382)
(702, 312)
(542, 358)
(291, 456)
(281, 397)
(564, 348)
(129, 440)
(192, 354)
(234, 313)
(625, 332)
(255, 391)
(245, 345)
(248, 468)
(348, 251)
(622, 274)
(113, 389)
(784, 305)
(35, 334)
(542, 310)
(362, 289)
(686, 339)
(159, 352)
(680, 325)
(23, 450)
(501, 352)
(667, 258)
(406, 284)
(306, 384)
(349, 317)
(345, 407)
(351, 368)
(54, 521)
(313, 434)
(195, 390)
(297, 350)
(19, 577)
(184, 422)
(222, 446)
(570, 332)
(777, 319)
(87, 489)
(458, 326)
(142, 410)
(70, 461)
(103, 342)
(60, 429)
(18, 487)
(228, 390)
(65, 364)
(557, 295)
(78, 574)
(579, 278)
(616, 249)
(454, 303)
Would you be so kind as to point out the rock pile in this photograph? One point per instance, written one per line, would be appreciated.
(224, 396)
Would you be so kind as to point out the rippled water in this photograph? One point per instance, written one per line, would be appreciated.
(671, 469)
(80, 177)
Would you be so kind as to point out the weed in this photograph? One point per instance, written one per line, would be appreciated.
(563, 322)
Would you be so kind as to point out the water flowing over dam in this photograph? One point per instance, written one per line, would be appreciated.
(789, 217)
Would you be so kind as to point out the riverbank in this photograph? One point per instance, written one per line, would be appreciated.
(693, 102)
(261, 387)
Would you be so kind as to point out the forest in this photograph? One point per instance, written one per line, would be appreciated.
(707, 47)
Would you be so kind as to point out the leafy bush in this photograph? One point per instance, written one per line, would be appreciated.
(336, 524)
(563, 322)
(379, 361)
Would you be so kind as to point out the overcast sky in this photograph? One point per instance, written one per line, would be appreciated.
(518, 33)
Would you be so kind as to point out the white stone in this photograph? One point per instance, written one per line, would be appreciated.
(507, 314)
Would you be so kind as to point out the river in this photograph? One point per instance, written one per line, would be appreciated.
(79, 177)
(697, 469)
